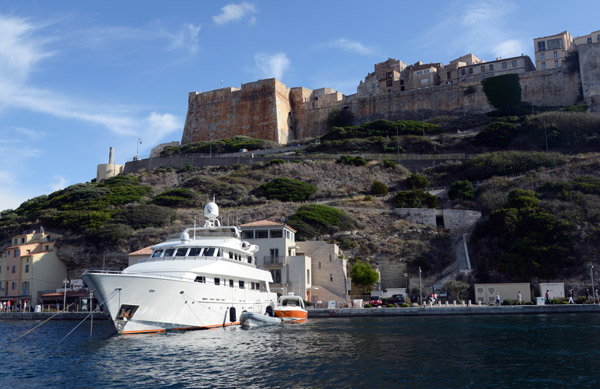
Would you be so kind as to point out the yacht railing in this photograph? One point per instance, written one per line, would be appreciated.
(199, 258)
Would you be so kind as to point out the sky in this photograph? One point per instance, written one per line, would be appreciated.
(77, 77)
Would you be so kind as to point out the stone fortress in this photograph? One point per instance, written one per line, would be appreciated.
(268, 109)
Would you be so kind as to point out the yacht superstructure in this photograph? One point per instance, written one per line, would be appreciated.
(204, 279)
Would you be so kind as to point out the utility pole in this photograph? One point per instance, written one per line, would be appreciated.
(592, 275)
(420, 290)
(545, 136)
(65, 281)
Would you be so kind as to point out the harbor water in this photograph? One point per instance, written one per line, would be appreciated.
(456, 351)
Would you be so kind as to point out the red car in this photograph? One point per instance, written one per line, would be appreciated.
(375, 301)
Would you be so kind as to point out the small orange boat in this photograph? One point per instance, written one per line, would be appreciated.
(291, 308)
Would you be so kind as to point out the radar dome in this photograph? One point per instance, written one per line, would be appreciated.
(211, 210)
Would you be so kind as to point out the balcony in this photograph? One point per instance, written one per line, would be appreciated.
(269, 260)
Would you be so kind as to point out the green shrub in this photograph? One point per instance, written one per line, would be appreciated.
(109, 234)
(416, 181)
(563, 129)
(274, 162)
(389, 305)
(389, 164)
(505, 163)
(285, 189)
(414, 199)
(379, 189)
(497, 134)
(367, 305)
(228, 145)
(177, 198)
(75, 220)
(145, 215)
(315, 220)
(363, 275)
(349, 160)
(405, 305)
(382, 128)
(461, 190)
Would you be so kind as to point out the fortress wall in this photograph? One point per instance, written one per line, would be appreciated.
(589, 65)
(227, 112)
(283, 112)
(552, 87)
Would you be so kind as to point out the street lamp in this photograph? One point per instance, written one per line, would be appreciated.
(65, 281)
(592, 275)
(420, 290)
(137, 149)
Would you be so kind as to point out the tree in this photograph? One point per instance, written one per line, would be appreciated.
(363, 275)
(285, 189)
(340, 118)
(457, 288)
(461, 190)
(416, 181)
(503, 92)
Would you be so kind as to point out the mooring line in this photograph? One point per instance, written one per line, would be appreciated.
(91, 313)
(48, 319)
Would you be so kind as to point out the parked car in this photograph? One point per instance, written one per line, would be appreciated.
(397, 299)
(376, 301)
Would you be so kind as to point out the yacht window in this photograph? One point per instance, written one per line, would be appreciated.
(209, 252)
(231, 283)
(195, 251)
(230, 255)
(169, 252)
(217, 281)
(241, 283)
(156, 253)
(181, 252)
(249, 259)
(201, 279)
(220, 253)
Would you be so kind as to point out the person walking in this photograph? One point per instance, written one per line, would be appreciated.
(595, 295)
(547, 297)
(519, 298)
(587, 295)
(571, 297)
(498, 299)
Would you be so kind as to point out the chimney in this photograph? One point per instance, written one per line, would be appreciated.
(111, 156)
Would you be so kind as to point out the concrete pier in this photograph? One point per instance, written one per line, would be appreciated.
(47, 315)
(456, 310)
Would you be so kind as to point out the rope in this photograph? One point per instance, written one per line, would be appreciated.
(44, 322)
(190, 308)
(90, 314)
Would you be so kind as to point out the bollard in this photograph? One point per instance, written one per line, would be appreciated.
(454, 302)
(446, 303)
(479, 302)
(463, 303)
(469, 303)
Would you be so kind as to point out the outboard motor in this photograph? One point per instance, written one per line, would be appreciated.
(270, 311)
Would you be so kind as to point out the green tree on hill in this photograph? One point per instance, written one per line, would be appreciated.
(363, 275)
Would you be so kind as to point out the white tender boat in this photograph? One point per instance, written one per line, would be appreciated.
(253, 319)
(204, 279)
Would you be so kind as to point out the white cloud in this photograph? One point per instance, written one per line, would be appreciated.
(235, 12)
(271, 65)
(159, 125)
(186, 38)
(484, 12)
(58, 184)
(353, 46)
(19, 53)
(509, 48)
(6, 177)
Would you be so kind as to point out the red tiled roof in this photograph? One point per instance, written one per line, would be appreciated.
(144, 251)
(266, 223)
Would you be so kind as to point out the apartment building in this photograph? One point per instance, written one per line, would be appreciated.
(500, 66)
(29, 266)
(277, 254)
(551, 51)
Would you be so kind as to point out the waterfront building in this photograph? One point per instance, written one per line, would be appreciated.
(486, 293)
(135, 256)
(29, 266)
(330, 279)
(277, 253)
(551, 51)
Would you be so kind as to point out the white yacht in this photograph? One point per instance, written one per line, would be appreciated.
(204, 279)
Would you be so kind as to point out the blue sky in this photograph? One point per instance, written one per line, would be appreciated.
(77, 77)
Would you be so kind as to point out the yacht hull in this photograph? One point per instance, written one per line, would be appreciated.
(144, 303)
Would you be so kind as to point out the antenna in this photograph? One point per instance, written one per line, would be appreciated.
(194, 227)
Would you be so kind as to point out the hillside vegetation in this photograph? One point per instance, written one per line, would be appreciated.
(541, 210)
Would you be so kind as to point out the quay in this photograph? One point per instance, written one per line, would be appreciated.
(451, 310)
(47, 315)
